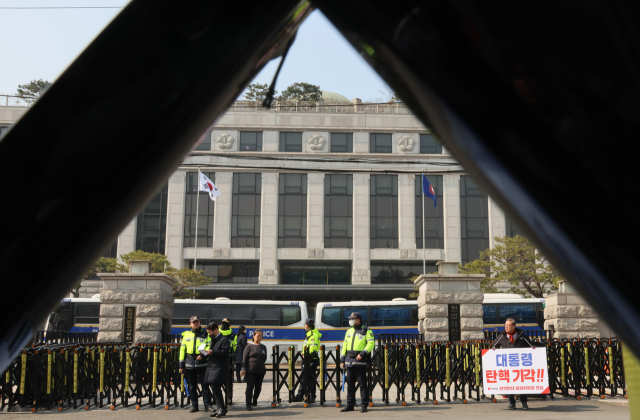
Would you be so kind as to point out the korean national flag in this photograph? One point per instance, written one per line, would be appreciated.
(208, 186)
(428, 190)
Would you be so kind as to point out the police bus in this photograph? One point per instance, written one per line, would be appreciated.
(400, 316)
(282, 322)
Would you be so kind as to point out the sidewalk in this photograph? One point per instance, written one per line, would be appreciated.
(584, 409)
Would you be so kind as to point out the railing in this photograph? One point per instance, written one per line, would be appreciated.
(449, 371)
(63, 337)
(12, 100)
(117, 375)
(41, 338)
(98, 375)
(547, 334)
(317, 107)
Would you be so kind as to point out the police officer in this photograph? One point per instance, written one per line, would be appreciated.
(311, 342)
(358, 343)
(225, 329)
(192, 365)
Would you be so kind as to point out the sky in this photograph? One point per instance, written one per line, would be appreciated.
(41, 43)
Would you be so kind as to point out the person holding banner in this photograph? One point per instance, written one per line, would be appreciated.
(513, 337)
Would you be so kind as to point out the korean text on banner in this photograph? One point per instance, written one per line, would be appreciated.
(515, 371)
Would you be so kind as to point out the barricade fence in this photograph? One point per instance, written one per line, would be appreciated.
(85, 375)
(404, 368)
(98, 375)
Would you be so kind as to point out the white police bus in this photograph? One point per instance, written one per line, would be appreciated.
(400, 316)
(282, 322)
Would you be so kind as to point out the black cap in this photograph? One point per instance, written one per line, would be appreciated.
(194, 318)
(226, 321)
(355, 315)
(310, 321)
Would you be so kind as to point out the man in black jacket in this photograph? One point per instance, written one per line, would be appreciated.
(242, 343)
(216, 375)
(510, 338)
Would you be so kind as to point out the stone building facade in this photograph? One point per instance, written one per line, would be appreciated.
(322, 199)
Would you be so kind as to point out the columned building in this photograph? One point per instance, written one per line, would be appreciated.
(318, 203)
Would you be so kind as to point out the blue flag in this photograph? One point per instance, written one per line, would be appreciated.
(427, 189)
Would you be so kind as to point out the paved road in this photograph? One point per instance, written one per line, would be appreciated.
(568, 408)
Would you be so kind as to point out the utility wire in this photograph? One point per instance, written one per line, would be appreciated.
(61, 7)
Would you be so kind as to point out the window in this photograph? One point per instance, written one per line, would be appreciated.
(341, 142)
(151, 232)
(294, 273)
(237, 314)
(88, 313)
(112, 251)
(292, 211)
(204, 207)
(291, 142)
(267, 315)
(250, 141)
(512, 230)
(433, 216)
(390, 272)
(490, 314)
(522, 313)
(429, 144)
(474, 220)
(384, 211)
(331, 316)
(182, 314)
(380, 143)
(3, 130)
(393, 315)
(346, 313)
(229, 272)
(291, 314)
(206, 143)
(245, 211)
(338, 211)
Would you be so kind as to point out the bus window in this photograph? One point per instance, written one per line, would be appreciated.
(331, 316)
(392, 315)
(62, 318)
(346, 312)
(183, 313)
(238, 314)
(267, 315)
(88, 313)
(522, 313)
(490, 314)
(291, 314)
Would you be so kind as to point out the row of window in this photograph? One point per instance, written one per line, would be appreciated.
(372, 316)
(522, 313)
(267, 315)
(251, 141)
(292, 272)
(338, 214)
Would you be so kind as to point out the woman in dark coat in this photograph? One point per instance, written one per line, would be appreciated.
(253, 365)
(217, 373)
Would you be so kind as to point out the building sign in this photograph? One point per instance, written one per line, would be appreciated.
(454, 322)
(129, 323)
(515, 371)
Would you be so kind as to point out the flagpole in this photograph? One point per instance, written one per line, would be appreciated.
(424, 254)
(195, 259)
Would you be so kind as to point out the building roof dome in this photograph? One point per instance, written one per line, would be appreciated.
(334, 98)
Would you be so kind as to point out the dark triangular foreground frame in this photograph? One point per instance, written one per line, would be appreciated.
(540, 105)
